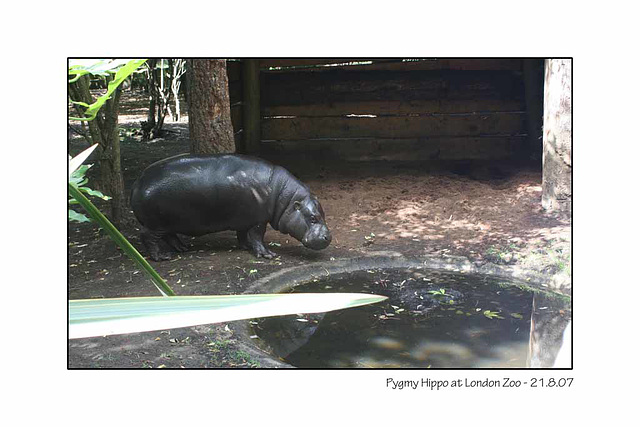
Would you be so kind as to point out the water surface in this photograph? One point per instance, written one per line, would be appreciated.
(432, 319)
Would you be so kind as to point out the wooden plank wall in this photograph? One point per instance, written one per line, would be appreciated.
(234, 74)
(389, 109)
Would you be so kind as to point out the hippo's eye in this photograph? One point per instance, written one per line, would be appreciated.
(313, 219)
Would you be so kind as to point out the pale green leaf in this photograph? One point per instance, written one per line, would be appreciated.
(99, 317)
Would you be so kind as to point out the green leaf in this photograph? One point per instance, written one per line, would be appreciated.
(440, 293)
(82, 104)
(78, 180)
(99, 317)
(81, 67)
(492, 314)
(75, 216)
(95, 193)
(516, 315)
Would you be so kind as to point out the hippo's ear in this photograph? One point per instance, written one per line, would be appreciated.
(297, 205)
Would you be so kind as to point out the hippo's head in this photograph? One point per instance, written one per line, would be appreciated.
(304, 220)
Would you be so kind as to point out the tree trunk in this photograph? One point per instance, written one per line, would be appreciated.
(151, 118)
(210, 125)
(104, 131)
(556, 159)
(178, 70)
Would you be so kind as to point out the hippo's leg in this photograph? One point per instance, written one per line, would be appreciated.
(174, 241)
(151, 240)
(253, 239)
(242, 240)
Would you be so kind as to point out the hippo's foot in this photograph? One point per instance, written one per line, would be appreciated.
(152, 241)
(174, 241)
(160, 256)
(253, 240)
(263, 252)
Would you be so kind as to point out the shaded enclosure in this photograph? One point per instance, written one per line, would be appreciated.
(396, 109)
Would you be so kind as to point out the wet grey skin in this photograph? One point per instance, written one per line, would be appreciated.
(197, 195)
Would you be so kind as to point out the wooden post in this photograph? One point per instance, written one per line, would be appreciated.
(251, 101)
(533, 86)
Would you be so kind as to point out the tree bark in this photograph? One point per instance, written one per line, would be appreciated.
(210, 127)
(104, 131)
(151, 118)
(556, 159)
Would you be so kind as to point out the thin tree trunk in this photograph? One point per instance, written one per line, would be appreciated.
(159, 99)
(210, 127)
(104, 131)
(178, 71)
(112, 174)
(151, 120)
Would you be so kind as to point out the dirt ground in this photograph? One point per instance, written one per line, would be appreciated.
(484, 214)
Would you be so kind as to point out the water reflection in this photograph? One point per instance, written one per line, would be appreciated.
(433, 319)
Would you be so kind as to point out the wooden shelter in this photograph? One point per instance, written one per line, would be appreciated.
(388, 109)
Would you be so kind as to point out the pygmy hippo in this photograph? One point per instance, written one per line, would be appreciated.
(196, 195)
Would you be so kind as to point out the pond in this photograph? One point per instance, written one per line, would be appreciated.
(432, 319)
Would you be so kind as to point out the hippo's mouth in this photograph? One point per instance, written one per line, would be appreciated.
(317, 244)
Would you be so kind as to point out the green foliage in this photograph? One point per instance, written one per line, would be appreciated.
(79, 180)
(102, 68)
(95, 67)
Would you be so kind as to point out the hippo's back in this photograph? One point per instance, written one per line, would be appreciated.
(196, 195)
